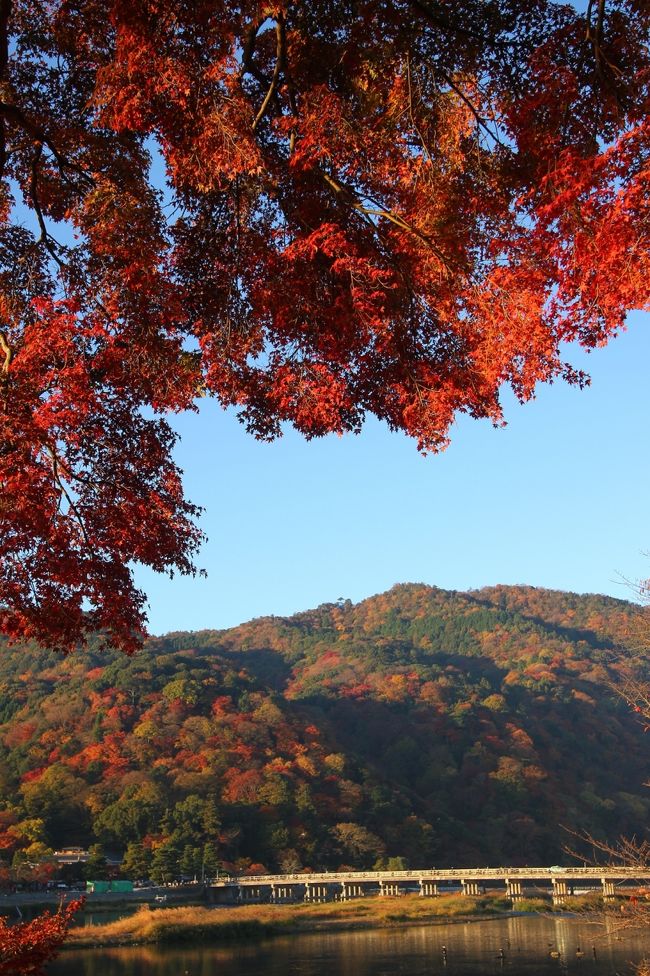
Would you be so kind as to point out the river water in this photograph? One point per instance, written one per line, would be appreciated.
(521, 946)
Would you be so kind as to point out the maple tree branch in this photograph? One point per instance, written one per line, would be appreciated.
(45, 238)
(279, 58)
(13, 113)
(291, 86)
(411, 114)
(346, 194)
(3, 148)
(271, 84)
(437, 20)
(625, 852)
(636, 694)
(480, 120)
(32, 587)
(249, 45)
(595, 38)
(248, 65)
(5, 13)
(55, 462)
(599, 22)
(8, 353)
(385, 248)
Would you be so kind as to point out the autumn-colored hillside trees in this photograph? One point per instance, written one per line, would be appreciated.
(393, 207)
(441, 728)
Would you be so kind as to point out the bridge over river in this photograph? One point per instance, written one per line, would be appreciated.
(517, 883)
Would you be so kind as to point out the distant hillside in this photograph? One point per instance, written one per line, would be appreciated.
(445, 728)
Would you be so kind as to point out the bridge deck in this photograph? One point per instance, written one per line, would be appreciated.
(452, 875)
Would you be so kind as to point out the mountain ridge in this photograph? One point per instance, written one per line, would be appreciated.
(472, 592)
(431, 725)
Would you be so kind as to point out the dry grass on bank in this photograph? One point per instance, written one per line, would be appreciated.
(191, 923)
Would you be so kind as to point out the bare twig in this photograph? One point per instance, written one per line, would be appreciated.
(634, 911)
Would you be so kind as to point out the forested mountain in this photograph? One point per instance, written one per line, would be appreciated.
(444, 728)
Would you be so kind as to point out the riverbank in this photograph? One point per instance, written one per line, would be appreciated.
(39, 901)
(196, 924)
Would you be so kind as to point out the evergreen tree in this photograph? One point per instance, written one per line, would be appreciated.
(191, 861)
(165, 864)
(96, 868)
(210, 867)
(137, 861)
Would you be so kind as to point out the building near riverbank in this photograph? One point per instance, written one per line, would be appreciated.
(71, 855)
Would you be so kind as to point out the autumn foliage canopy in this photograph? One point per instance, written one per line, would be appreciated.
(309, 210)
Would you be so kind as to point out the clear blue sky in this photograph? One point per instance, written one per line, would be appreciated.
(557, 499)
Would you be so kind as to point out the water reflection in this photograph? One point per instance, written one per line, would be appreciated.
(555, 946)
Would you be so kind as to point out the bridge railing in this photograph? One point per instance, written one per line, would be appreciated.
(449, 875)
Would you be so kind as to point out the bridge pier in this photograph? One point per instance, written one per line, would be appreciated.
(282, 893)
(609, 889)
(249, 894)
(560, 891)
(349, 890)
(315, 892)
(514, 890)
(389, 888)
(428, 889)
(470, 887)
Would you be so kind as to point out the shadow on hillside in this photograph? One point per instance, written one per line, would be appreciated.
(570, 634)
(265, 665)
